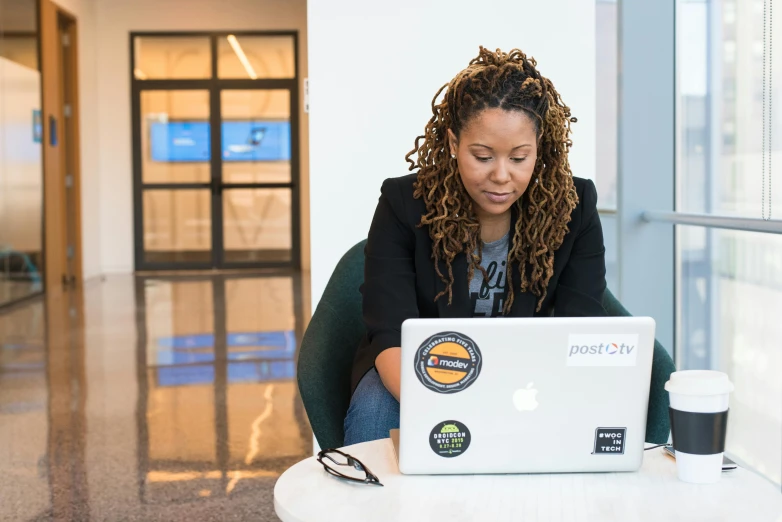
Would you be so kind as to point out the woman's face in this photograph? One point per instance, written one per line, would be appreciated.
(496, 152)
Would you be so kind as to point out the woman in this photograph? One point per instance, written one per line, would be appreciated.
(492, 223)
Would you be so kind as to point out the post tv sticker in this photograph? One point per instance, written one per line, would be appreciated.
(450, 439)
(602, 350)
(610, 441)
(448, 362)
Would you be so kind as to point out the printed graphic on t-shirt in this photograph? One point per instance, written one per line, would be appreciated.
(487, 295)
(490, 297)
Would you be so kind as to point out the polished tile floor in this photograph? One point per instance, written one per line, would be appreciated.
(152, 398)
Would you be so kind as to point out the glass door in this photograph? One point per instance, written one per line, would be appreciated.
(256, 184)
(215, 150)
(176, 202)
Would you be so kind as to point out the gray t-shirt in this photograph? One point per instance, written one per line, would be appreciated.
(488, 297)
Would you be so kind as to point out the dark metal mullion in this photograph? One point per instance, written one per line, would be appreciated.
(138, 210)
(221, 380)
(175, 186)
(168, 265)
(295, 160)
(256, 265)
(207, 364)
(295, 167)
(172, 85)
(142, 428)
(260, 84)
(216, 160)
(228, 186)
(203, 84)
(174, 34)
(183, 276)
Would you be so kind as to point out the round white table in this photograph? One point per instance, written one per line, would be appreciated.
(306, 493)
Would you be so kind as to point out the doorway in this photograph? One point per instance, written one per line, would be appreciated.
(216, 150)
(59, 130)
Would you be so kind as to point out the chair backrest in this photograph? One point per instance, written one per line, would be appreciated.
(328, 347)
(657, 420)
(336, 329)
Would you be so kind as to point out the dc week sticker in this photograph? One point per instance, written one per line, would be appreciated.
(450, 439)
(448, 362)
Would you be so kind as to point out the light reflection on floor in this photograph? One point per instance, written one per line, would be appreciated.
(152, 399)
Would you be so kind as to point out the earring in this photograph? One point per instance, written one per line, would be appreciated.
(536, 181)
(453, 156)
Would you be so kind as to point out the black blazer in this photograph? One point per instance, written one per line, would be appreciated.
(400, 281)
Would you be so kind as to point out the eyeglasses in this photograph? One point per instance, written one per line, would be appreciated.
(350, 467)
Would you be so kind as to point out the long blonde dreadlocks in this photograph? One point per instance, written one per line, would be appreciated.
(511, 82)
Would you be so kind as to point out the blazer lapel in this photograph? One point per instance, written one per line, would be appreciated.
(460, 306)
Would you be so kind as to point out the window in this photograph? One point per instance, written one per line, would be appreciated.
(606, 92)
(729, 283)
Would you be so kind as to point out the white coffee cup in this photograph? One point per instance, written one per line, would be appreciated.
(699, 409)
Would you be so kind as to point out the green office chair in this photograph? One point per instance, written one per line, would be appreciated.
(336, 329)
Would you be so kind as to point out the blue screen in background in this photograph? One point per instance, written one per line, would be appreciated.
(187, 359)
(242, 141)
(256, 141)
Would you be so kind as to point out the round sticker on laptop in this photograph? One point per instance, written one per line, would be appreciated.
(448, 362)
(450, 439)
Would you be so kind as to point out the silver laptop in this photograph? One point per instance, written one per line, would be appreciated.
(534, 395)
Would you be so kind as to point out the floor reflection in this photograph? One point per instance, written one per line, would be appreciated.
(167, 399)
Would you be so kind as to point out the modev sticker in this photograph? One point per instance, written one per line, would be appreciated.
(448, 362)
(601, 350)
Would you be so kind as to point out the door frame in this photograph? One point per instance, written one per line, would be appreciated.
(214, 86)
(55, 161)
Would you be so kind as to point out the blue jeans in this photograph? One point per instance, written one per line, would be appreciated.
(373, 411)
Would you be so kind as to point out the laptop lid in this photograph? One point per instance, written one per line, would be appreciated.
(510, 395)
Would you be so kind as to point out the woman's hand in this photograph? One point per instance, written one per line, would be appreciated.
(388, 365)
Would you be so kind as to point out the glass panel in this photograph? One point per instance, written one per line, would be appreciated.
(180, 412)
(261, 340)
(257, 225)
(256, 136)
(180, 326)
(172, 57)
(720, 108)
(730, 286)
(256, 307)
(254, 57)
(606, 88)
(21, 167)
(175, 137)
(177, 226)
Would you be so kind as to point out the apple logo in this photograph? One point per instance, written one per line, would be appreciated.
(524, 398)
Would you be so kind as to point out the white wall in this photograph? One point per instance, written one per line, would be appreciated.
(107, 163)
(374, 68)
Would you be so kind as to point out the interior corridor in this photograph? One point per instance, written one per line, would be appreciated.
(152, 398)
